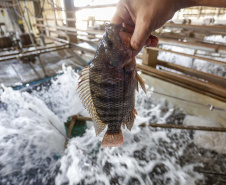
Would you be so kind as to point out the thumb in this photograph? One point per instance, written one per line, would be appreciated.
(141, 33)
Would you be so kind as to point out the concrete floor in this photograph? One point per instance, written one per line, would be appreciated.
(15, 72)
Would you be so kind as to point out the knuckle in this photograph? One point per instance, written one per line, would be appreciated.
(136, 45)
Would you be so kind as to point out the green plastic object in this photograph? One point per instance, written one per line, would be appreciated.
(78, 129)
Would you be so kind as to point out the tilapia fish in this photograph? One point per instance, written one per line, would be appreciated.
(107, 86)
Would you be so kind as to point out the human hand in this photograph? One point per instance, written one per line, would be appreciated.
(141, 17)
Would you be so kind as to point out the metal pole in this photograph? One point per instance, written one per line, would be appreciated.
(33, 43)
(30, 53)
(69, 6)
(70, 130)
(185, 127)
(55, 17)
(170, 126)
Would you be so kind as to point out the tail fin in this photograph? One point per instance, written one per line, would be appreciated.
(112, 140)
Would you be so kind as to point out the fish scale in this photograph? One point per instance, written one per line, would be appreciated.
(107, 100)
(107, 86)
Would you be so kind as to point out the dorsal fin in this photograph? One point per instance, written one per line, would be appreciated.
(86, 98)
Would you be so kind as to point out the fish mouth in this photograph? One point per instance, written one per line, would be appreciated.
(125, 38)
(124, 35)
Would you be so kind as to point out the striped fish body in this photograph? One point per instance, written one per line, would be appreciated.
(107, 86)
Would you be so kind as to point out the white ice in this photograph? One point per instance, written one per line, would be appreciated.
(197, 64)
(32, 130)
(209, 140)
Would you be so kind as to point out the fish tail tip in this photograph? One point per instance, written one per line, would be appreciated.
(112, 140)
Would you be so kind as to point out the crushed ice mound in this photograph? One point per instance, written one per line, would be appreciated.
(148, 156)
(197, 64)
(209, 140)
(32, 140)
(61, 96)
(174, 58)
(216, 38)
(207, 67)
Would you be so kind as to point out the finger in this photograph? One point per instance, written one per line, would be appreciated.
(129, 27)
(116, 19)
(141, 33)
(148, 42)
(144, 26)
(153, 41)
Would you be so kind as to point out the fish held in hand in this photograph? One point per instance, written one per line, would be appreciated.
(107, 86)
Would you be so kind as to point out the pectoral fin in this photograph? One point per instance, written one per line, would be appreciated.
(141, 82)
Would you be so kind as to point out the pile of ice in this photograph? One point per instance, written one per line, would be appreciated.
(216, 38)
(197, 64)
(60, 95)
(208, 140)
(32, 142)
(177, 59)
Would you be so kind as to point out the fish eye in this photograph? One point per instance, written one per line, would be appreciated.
(110, 43)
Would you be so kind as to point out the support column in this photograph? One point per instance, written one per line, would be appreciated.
(37, 8)
(69, 6)
(15, 19)
(150, 57)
